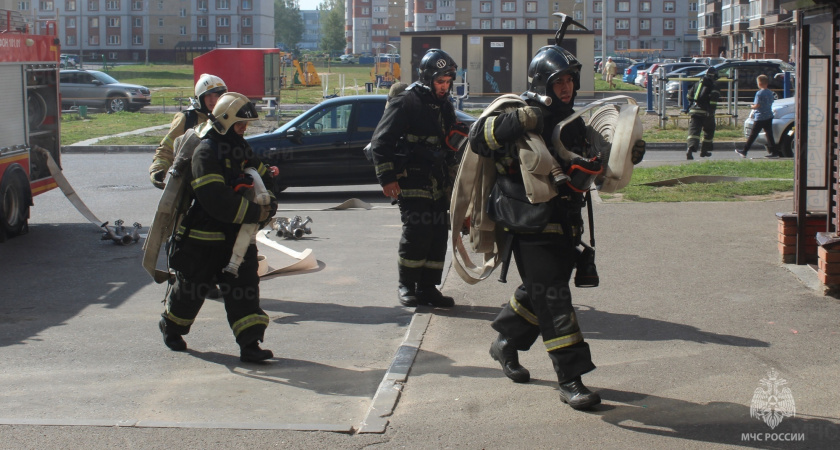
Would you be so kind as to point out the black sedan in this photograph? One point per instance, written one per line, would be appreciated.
(324, 146)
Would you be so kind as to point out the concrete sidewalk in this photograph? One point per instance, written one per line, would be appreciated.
(693, 310)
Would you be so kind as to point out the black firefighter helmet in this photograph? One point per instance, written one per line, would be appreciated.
(436, 63)
(548, 64)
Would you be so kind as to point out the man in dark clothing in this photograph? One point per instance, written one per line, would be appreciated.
(414, 165)
(545, 259)
(205, 238)
(704, 96)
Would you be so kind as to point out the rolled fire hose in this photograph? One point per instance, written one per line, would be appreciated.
(248, 231)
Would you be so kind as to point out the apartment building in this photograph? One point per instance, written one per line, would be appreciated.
(311, 38)
(630, 23)
(154, 30)
(746, 29)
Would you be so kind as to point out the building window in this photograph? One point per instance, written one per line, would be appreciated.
(137, 5)
(113, 39)
(598, 6)
(485, 24)
(644, 6)
(223, 39)
(202, 22)
(531, 7)
(93, 39)
(138, 22)
(70, 5)
(531, 24)
(160, 21)
(71, 22)
(644, 44)
(692, 6)
(668, 45)
(644, 24)
(70, 40)
(182, 30)
(247, 39)
(446, 16)
(622, 6)
(93, 5)
(692, 24)
(486, 7)
(23, 6)
(508, 6)
(596, 24)
(183, 12)
(668, 24)
(578, 15)
(556, 7)
(223, 21)
(246, 5)
(246, 21)
(160, 40)
(137, 39)
(669, 7)
(622, 45)
(622, 24)
(93, 22)
(365, 11)
(223, 4)
(202, 5)
(598, 45)
(112, 5)
(430, 6)
(113, 22)
(508, 24)
(46, 6)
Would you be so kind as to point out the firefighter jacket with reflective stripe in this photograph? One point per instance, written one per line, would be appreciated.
(495, 136)
(182, 122)
(411, 135)
(217, 210)
(704, 96)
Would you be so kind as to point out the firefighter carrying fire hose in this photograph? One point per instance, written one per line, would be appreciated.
(202, 246)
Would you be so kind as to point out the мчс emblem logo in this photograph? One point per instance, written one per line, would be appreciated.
(771, 401)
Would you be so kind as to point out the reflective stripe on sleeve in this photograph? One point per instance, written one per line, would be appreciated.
(489, 136)
(207, 179)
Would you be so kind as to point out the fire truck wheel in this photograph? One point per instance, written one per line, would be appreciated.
(115, 104)
(14, 201)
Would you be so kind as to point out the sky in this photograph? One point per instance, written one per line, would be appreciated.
(308, 4)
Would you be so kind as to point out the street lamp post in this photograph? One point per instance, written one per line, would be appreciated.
(604, 32)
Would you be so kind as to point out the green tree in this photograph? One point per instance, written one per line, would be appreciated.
(288, 24)
(332, 26)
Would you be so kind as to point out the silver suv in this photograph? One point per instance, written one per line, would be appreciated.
(100, 90)
(784, 114)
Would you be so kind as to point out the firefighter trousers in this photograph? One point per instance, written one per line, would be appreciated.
(698, 123)
(542, 305)
(198, 269)
(425, 228)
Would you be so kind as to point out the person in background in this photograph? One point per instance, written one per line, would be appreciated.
(609, 71)
(762, 118)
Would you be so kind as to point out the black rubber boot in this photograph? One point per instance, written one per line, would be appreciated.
(503, 351)
(174, 341)
(253, 353)
(429, 295)
(406, 295)
(578, 396)
(688, 155)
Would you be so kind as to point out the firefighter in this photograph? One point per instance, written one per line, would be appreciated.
(208, 89)
(545, 259)
(204, 240)
(704, 96)
(414, 166)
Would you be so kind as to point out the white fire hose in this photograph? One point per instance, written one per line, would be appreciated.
(248, 231)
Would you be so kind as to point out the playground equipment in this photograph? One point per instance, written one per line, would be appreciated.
(386, 70)
(308, 77)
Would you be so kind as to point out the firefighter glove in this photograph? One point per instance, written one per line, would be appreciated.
(157, 172)
(267, 212)
(531, 118)
(638, 152)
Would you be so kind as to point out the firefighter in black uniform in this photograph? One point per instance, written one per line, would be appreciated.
(205, 238)
(704, 96)
(413, 165)
(545, 259)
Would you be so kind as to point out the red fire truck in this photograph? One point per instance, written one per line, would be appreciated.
(29, 116)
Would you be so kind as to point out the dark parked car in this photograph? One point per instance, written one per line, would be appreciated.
(324, 146)
(672, 87)
(670, 67)
(98, 89)
(747, 73)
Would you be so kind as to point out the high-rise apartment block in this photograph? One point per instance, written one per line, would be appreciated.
(746, 29)
(153, 30)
